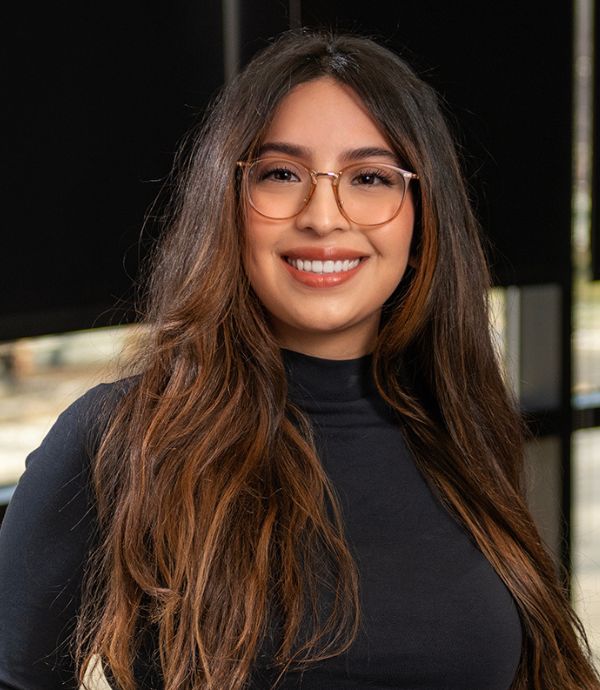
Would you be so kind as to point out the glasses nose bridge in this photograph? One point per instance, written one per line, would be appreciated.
(333, 176)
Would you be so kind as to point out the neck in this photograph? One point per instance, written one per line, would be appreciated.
(347, 344)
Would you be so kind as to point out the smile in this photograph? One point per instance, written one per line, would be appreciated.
(320, 267)
(323, 272)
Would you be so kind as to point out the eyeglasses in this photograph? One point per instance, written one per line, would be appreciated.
(366, 193)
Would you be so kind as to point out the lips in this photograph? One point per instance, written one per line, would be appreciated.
(323, 267)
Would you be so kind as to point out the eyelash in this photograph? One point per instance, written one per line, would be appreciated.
(379, 174)
(268, 173)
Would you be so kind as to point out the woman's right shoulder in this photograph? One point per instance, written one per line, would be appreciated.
(74, 436)
(56, 480)
(47, 533)
(101, 397)
(96, 405)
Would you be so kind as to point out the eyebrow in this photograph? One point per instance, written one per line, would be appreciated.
(348, 155)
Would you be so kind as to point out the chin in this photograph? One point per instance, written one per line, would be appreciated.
(324, 326)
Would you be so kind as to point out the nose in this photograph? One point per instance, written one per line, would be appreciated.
(322, 214)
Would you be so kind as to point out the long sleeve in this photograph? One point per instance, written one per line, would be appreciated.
(47, 532)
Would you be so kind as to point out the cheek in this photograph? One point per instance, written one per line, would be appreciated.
(403, 260)
(394, 243)
(258, 259)
(251, 248)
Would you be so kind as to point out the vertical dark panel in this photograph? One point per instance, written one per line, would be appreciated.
(100, 94)
(260, 21)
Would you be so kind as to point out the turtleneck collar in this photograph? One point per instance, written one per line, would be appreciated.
(328, 380)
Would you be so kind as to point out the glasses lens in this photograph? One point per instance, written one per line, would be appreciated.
(371, 193)
(278, 188)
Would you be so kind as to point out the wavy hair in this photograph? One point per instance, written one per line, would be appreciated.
(215, 515)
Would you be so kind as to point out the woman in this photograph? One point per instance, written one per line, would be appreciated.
(315, 478)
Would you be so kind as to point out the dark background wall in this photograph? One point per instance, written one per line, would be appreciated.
(101, 94)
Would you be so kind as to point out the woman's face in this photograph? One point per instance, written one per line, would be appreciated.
(325, 126)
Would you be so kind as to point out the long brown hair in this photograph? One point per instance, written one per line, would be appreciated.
(215, 515)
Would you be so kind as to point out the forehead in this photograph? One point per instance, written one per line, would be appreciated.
(326, 117)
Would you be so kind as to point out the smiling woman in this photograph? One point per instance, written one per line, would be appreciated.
(322, 275)
(315, 478)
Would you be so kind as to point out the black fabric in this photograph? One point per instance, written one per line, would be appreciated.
(435, 614)
(46, 533)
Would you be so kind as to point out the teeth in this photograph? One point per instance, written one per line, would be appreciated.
(323, 266)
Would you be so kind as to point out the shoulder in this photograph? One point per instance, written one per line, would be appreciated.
(56, 476)
(77, 429)
(54, 492)
(94, 406)
(95, 400)
(46, 535)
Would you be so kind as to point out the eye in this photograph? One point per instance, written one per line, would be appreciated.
(276, 172)
(372, 177)
(280, 174)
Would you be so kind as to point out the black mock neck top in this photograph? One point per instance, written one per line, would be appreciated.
(435, 616)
